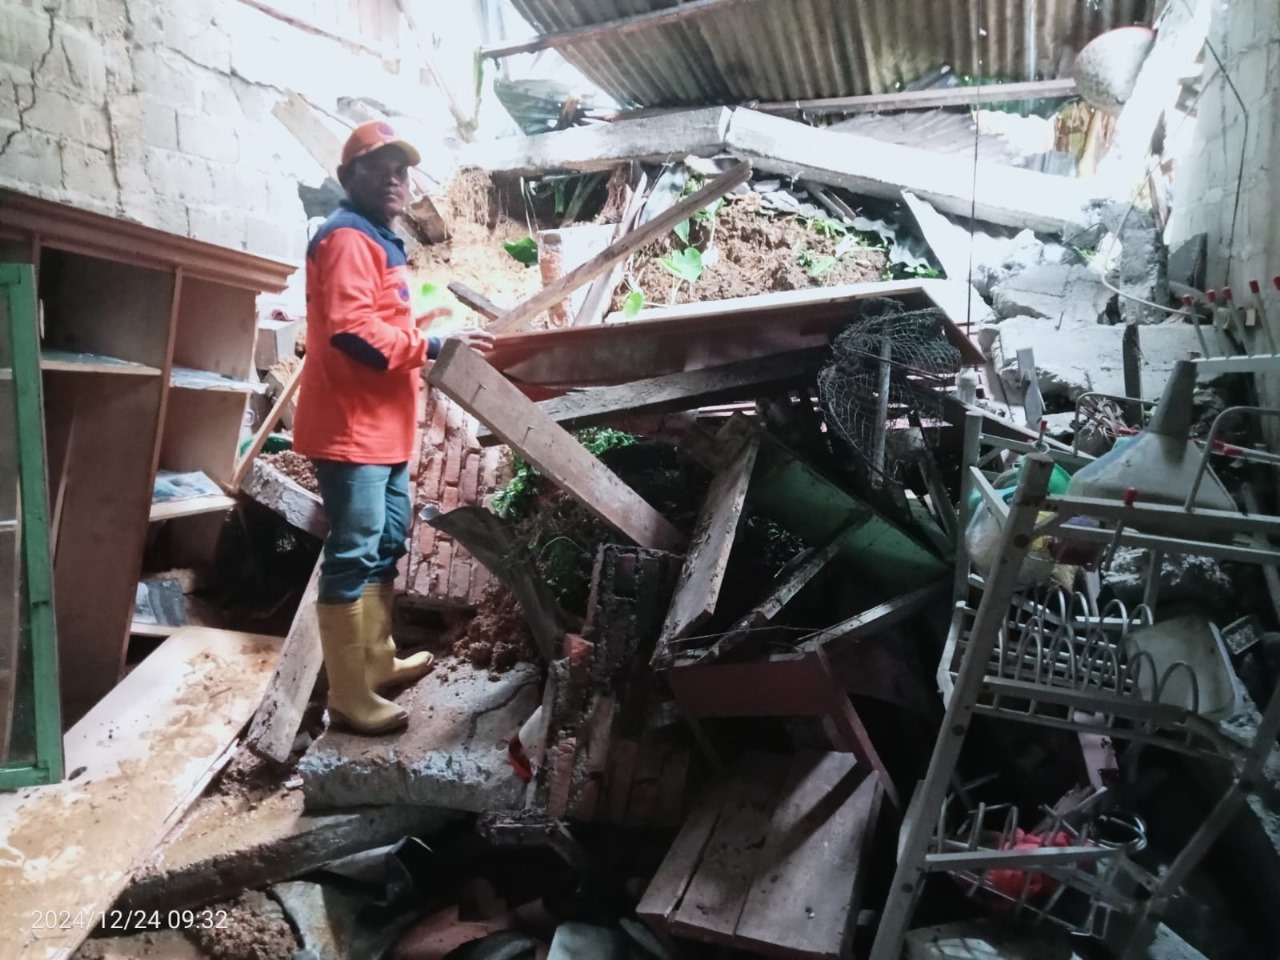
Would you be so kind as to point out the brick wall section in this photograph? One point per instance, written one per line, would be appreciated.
(451, 471)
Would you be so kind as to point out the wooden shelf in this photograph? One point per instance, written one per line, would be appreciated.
(66, 361)
(185, 378)
(193, 506)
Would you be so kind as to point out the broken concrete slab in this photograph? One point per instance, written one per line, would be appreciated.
(1188, 262)
(1071, 360)
(223, 846)
(1070, 295)
(603, 146)
(453, 754)
(1005, 196)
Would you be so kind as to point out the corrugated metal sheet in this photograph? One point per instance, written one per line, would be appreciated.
(770, 50)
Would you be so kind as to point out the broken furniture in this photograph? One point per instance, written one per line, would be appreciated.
(1055, 660)
(772, 859)
(30, 724)
(147, 346)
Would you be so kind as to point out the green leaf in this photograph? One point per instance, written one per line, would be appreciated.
(633, 304)
(709, 211)
(526, 250)
(685, 264)
(682, 231)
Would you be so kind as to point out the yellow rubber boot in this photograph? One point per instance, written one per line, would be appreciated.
(386, 670)
(352, 702)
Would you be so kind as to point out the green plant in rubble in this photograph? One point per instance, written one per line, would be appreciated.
(633, 304)
(825, 227)
(684, 264)
(815, 264)
(524, 250)
(514, 500)
(901, 271)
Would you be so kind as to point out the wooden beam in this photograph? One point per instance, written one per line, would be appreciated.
(272, 488)
(476, 301)
(264, 431)
(609, 29)
(135, 763)
(729, 382)
(489, 539)
(596, 305)
(279, 715)
(462, 375)
(878, 618)
(704, 566)
(621, 249)
(928, 99)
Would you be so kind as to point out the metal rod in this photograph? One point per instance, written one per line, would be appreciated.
(1208, 445)
(1015, 542)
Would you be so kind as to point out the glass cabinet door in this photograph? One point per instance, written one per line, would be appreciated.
(30, 725)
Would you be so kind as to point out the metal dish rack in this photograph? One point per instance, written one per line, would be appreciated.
(1054, 660)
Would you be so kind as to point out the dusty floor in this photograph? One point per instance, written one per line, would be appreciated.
(757, 253)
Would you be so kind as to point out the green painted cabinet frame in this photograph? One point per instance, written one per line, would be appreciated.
(18, 325)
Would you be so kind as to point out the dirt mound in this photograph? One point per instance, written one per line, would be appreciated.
(295, 466)
(498, 637)
(756, 253)
(247, 934)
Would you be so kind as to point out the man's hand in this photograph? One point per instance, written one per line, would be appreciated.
(431, 316)
(479, 340)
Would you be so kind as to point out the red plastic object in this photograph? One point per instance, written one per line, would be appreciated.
(1226, 293)
(1275, 281)
(1188, 301)
(1212, 295)
(518, 760)
(1254, 287)
(1130, 496)
(1010, 882)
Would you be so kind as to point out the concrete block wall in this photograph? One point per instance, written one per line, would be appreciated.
(1246, 36)
(160, 112)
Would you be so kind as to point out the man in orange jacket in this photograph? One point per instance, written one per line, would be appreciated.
(357, 420)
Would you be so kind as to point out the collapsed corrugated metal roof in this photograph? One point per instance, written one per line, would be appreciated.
(738, 51)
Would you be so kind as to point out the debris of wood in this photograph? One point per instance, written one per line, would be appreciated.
(278, 378)
(708, 554)
(490, 541)
(560, 251)
(476, 301)
(277, 341)
(693, 336)
(773, 859)
(279, 714)
(527, 830)
(730, 382)
(273, 488)
(600, 294)
(466, 378)
(282, 402)
(618, 251)
(220, 849)
(136, 761)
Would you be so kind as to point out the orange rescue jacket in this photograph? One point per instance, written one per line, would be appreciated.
(358, 399)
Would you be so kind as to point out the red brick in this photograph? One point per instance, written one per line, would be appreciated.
(469, 482)
(480, 580)
(561, 777)
(432, 475)
(435, 432)
(459, 578)
(456, 419)
(440, 563)
(452, 462)
(426, 539)
(402, 572)
(491, 460)
(449, 499)
(600, 733)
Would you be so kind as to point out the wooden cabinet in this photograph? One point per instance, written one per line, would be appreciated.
(146, 344)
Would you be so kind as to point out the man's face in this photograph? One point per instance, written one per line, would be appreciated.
(378, 183)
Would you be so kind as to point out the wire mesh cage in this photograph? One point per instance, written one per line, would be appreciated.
(888, 345)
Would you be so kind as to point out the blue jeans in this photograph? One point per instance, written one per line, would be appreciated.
(368, 510)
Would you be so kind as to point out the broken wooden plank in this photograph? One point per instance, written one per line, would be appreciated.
(135, 762)
(741, 380)
(666, 890)
(268, 424)
(713, 901)
(489, 539)
(808, 884)
(693, 336)
(476, 301)
(279, 715)
(791, 580)
(565, 249)
(621, 249)
(878, 618)
(222, 847)
(272, 488)
(708, 557)
(1003, 195)
(461, 374)
(600, 293)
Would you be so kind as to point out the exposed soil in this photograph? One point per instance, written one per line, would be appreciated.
(295, 466)
(249, 932)
(250, 778)
(757, 253)
(474, 255)
(497, 637)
